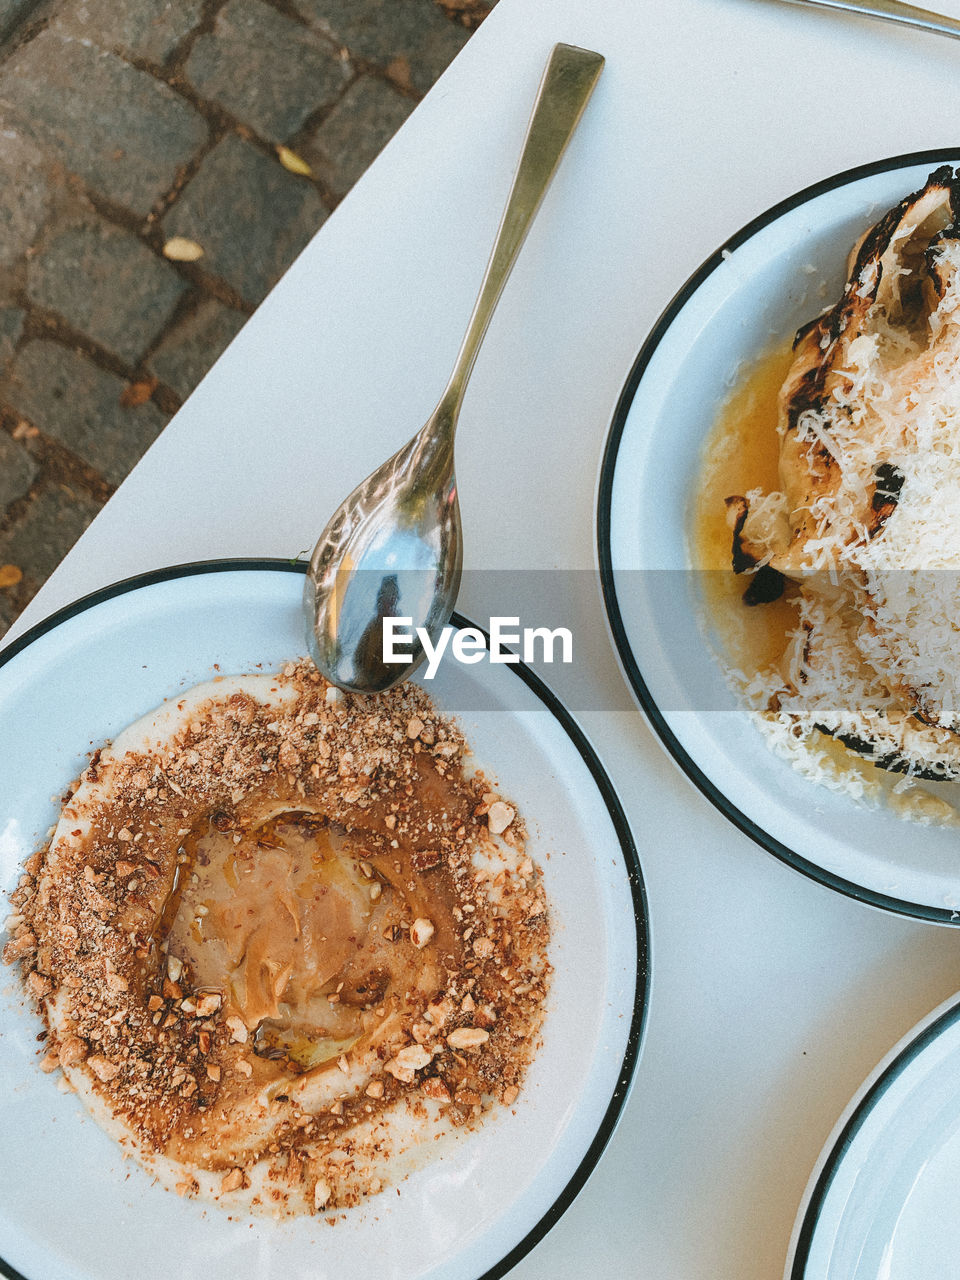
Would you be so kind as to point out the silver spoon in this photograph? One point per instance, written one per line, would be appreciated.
(394, 547)
(892, 11)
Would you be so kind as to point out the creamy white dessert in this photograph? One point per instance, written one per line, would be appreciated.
(281, 937)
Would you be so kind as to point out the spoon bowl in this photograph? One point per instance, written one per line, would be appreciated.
(393, 549)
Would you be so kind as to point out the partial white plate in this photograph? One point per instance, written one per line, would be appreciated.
(755, 291)
(70, 1207)
(882, 1201)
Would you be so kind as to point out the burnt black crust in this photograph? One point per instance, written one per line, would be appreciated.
(892, 762)
(888, 481)
(811, 388)
(877, 238)
(767, 583)
(741, 560)
(766, 586)
(809, 393)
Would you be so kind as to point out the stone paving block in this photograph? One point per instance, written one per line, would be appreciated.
(52, 524)
(381, 30)
(17, 471)
(148, 29)
(250, 215)
(356, 131)
(288, 71)
(121, 130)
(26, 198)
(8, 612)
(185, 354)
(106, 284)
(11, 326)
(13, 12)
(69, 398)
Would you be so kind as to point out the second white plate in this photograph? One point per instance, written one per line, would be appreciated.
(882, 1201)
(754, 292)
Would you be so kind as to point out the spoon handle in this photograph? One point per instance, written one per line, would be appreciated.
(564, 91)
(892, 11)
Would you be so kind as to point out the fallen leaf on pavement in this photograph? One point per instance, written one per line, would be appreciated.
(470, 12)
(10, 575)
(180, 249)
(136, 393)
(398, 69)
(294, 163)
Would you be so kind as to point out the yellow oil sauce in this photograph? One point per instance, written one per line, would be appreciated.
(741, 453)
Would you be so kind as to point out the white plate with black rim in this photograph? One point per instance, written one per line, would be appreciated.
(749, 296)
(71, 1208)
(881, 1203)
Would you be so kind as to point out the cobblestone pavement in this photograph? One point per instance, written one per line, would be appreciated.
(161, 164)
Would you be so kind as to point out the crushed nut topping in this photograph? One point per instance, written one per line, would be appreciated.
(467, 1038)
(500, 816)
(421, 931)
(265, 934)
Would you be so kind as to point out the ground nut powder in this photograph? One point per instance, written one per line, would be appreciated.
(282, 934)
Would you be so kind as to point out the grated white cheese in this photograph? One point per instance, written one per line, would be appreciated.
(875, 658)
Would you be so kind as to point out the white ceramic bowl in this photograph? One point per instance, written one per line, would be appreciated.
(756, 290)
(70, 1207)
(882, 1199)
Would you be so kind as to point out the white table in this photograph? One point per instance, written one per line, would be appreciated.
(772, 997)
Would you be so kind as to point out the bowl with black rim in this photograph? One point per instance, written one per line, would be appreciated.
(71, 1205)
(749, 296)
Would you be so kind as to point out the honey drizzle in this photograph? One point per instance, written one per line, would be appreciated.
(740, 453)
